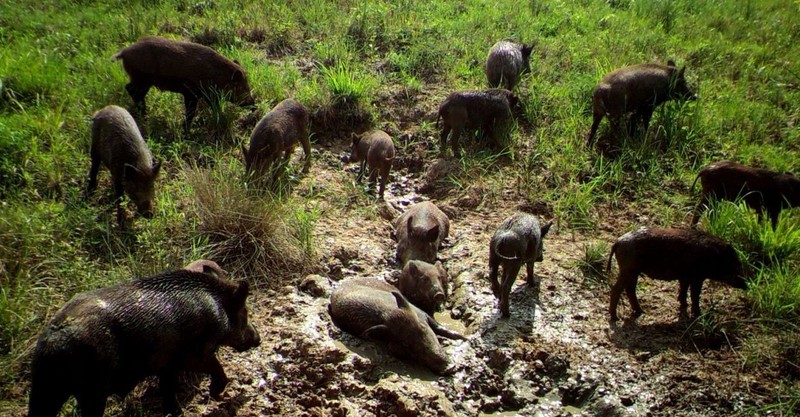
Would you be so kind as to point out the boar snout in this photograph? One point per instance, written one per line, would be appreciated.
(251, 340)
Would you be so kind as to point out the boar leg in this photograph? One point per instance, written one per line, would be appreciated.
(119, 190)
(647, 114)
(306, 143)
(443, 139)
(95, 168)
(773, 217)
(697, 286)
(630, 291)
(682, 291)
(361, 172)
(91, 404)
(47, 397)
(616, 291)
(441, 330)
(529, 270)
(494, 265)
(218, 378)
(168, 384)
(384, 178)
(699, 209)
(138, 91)
(190, 103)
(454, 141)
(510, 272)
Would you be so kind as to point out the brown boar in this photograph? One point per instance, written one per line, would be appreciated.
(375, 150)
(106, 341)
(518, 240)
(761, 189)
(425, 285)
(278, 133)
(689, 256)
(488, 110)
(638, 90)
(420, 231)
(118, 144)
(193, 70)
(374, 310)
(505, 62)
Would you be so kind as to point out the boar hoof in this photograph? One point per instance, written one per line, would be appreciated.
(636, 314)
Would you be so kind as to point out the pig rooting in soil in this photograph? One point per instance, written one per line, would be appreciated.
(106, 341)
(420, 231)
(425, 285)
(505, 62)
(278, 133)
(489, 111)
(375, 151)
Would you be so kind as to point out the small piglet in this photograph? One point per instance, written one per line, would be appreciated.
(278, 133)
(488, 110)
(375, 151)
(689, 256)
(761, 189)
(118, 144)
(425, 285)
(106, 341)
(420, 231)
(505, 62)
(518, 240)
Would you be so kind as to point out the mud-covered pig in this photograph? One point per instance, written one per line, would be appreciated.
(761, 189)
(689, 256)
(506, 62)
(489, 110)
(106, 341)
(425, 285)
(518, 240)
(636, 90)
(419, 232)
(118, 144)
(375, 151)
(374, 310)
(278, 133)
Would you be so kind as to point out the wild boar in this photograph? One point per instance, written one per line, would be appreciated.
(689, 256)
(374, 310)
(505, 62)
(420, 231)
(638, 90)
(375, 150)
(118, 144)
(761, 189)
(106, 341)
(488, 110)
(193, 70)
(278, 133)
(425, 285)
(518, 240)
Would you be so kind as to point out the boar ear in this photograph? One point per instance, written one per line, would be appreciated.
(526, 50)
(355, 138)
(214, 269)
(432, 234)
(131, 172)
(413, 268)
(408, 223)
(440, 268)
(682, 71)
(377, 332)
(671, 63)
(241, 292)
(402, 303)
(156, 168)
(238, 75)
(545, 229)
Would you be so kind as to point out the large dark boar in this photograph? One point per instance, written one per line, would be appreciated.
(375, 150)
(420, 231)
(278, 133)
(193, 70)
(106, 341)
(505, 62)
(518, 240)
(488, 110)
(118, 144)
(689, 256)
(637, 89)
(425, 285)
(372, 309)
(761, 189)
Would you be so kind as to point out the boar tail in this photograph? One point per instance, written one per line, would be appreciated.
(610, 255)
(691, 189)
(117, 56)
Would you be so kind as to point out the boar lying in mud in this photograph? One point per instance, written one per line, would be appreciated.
(505, 62)
(761, 189)
(488, 110)
(420, 231)
(193, 70)
(106, 341)
(372, 309)
(375, 151)
(689, 256)
(638, 90)
(425, 285)
(278, 133)
(518, 240)
(118, 144)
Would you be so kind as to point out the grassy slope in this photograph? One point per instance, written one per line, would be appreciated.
(55, 71)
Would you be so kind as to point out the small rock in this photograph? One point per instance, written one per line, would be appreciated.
(626, 401)
(498, 360)
(316, 285)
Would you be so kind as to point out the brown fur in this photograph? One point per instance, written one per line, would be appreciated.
(425, 285)
(375, 151)
(278, 133)
(488, 110)
(505, 62)
(420, 231)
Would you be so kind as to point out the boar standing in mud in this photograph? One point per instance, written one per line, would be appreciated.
(106, 341)
(278, 133)
(488, 110)
(518, 240)
(118, 144)
(193, 70)
(375, 151)
(689, 256)
(425, 285)
(420, 231)
(374, 310)
(506, 62)
(638, 90)
(761, 189)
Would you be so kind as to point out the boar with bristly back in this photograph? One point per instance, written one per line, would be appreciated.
(277, 134)
(419, 232)
(425, 285)
(187, 68)
(506, 62)
(375, 310)
(761, 189)
(119, 146)
(106, 341)
(489, 111)
(375, 151)
(689, 256)
(637, 90)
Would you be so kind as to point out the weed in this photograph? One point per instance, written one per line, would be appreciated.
(593, 263)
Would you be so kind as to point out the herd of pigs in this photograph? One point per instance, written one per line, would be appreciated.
(106, 341)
